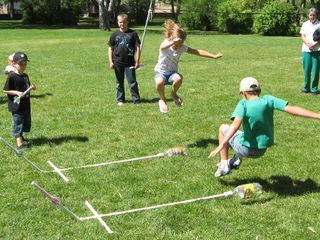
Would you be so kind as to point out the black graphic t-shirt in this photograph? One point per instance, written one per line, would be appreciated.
(19, 83)
(123, 45)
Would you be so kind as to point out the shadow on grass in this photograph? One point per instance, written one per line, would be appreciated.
(203, 143)
(3, 100)
(57, 140)
(152, 100)
(36, 96)
(283, 186)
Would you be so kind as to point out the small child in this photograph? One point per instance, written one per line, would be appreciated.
(255, 114)
(9, 68)
(17, 83)
(166, 70)
(124, 58)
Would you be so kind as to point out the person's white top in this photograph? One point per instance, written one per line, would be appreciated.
(9, 69)
(308, 29)
(169, 58)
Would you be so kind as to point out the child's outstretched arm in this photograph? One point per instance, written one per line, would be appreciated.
(203, 53)
(236, 124)
(302, 112)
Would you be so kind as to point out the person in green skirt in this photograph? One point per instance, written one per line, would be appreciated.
(310, 53)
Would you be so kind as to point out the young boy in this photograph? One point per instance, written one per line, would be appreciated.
(18, 82)
(255, 114)
(124, 58)
(9, 68)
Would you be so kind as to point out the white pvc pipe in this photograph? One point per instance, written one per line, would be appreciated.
(225, 194)
(17, 99)
(97, 216)
(53, 199)
(19, 153)
(114, 162)
(33, 164)
(57, 170)
(146, 25)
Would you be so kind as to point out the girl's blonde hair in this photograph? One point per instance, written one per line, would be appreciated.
(10, 58)
(174, 30)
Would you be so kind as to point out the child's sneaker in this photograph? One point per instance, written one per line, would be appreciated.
(234, 162)
(222, 171)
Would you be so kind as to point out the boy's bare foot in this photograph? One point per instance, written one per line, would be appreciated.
(177, 100)
(163, 106)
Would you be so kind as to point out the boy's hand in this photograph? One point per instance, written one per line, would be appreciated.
(33, 87)
(176, 40)
(111, 65)
(216, 151)
(19, 94)
(218, 55)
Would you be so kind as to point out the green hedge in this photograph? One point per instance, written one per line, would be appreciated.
(275, 19)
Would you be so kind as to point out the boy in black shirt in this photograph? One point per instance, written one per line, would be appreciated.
(17, 83)
(124, 58)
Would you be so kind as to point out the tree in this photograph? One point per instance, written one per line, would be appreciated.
(105, 12)
(175, 13)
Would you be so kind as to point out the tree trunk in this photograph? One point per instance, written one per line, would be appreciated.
(173, 15)
(109, 14)
(102, 15)
(178, 9)
(302, 3)
(11, 9)
(105, 11)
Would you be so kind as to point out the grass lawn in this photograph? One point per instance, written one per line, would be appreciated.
(76, 122)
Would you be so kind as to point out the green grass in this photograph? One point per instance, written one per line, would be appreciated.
(76, 122)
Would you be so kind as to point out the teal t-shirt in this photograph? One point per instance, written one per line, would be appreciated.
(257, 120)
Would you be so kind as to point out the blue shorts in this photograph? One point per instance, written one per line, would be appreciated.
(21, 122)
(168, 78)
(241, 150)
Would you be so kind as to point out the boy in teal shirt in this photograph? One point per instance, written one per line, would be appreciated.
(255, 114)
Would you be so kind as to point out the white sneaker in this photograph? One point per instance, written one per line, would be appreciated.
(222, 172)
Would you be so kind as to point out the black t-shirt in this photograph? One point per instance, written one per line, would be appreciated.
(19, 83)
(123, 45)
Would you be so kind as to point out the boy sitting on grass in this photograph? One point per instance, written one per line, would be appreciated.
(255, 114)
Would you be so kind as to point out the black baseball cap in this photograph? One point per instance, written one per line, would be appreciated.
(19, 57)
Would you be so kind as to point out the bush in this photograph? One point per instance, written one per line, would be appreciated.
(235, 16)
(50, 12)
(275, 19)
(138, 10)
(199, 15)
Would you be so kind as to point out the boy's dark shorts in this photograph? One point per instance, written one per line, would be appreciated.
(21, 122)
